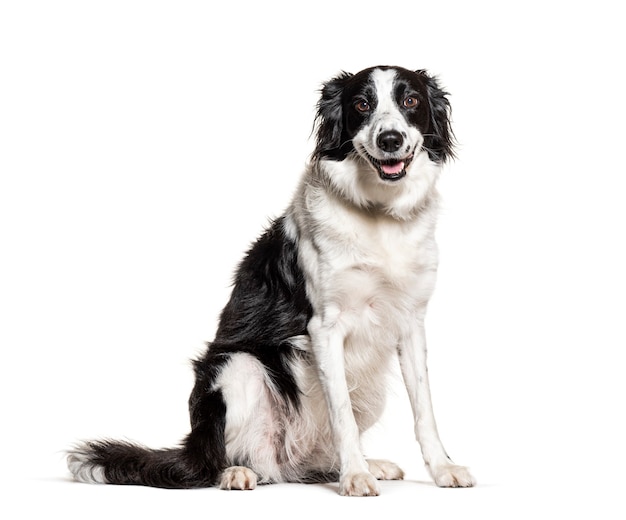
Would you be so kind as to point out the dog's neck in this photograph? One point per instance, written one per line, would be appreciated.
(352, 182)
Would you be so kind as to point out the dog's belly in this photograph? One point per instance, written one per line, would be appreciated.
(375, 319)
(372, 311)
(367, 380)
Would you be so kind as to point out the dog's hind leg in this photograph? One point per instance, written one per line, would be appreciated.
(256, 425)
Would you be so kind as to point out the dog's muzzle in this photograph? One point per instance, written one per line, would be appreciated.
(394, 168)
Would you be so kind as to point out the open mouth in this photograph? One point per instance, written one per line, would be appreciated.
(391, 169)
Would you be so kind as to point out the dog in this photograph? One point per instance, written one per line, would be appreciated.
(333, 291)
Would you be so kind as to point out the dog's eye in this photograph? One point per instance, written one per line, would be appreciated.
(362, 106)
(410, 102)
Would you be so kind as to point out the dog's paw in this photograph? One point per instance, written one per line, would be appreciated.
(451, 475)
(359, 485)
(384, 470)
(238, 477)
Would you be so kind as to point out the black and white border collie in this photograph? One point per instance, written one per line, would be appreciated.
(321, 304)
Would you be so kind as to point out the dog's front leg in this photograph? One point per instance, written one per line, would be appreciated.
(328, 347)
(412, 353)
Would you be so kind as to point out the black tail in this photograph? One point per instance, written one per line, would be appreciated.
(115, 462)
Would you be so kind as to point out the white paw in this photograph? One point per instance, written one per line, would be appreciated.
(385, 470)
(238, 477)
(359, 485)
(450, 475)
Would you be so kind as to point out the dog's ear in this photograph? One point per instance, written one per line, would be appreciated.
(329, 117)
(439, 140)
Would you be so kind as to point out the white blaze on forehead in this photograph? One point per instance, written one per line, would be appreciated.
(383, 82)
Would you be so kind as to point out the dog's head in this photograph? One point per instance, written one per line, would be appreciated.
(386, 116)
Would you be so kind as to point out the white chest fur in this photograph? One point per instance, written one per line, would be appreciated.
(366, 271)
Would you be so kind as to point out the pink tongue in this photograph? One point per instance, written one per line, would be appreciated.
(391, 169)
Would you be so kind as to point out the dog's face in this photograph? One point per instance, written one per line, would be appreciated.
(384, 116)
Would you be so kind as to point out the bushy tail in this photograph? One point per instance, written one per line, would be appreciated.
(116, 462)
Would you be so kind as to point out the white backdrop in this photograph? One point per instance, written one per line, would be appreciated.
(145, 144)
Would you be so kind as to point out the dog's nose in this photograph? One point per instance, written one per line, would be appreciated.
(389, 141)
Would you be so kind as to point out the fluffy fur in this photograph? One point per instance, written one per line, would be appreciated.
(321, 304)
